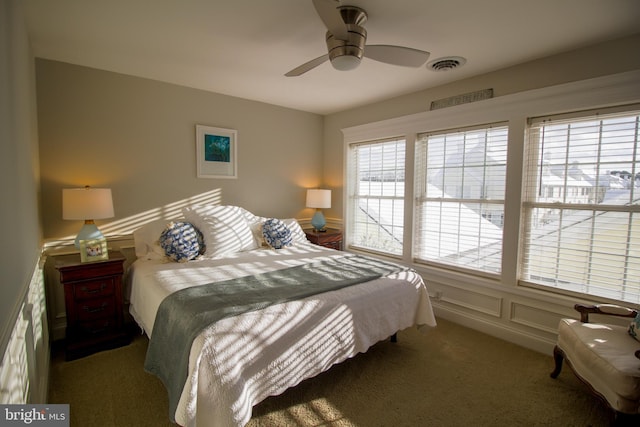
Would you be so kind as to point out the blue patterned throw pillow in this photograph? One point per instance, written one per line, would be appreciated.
(181, 241)
(634, 327)
(276, 233)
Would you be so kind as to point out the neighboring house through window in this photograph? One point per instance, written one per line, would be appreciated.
(582, 205)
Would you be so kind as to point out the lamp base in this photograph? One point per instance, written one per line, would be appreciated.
(89, 231)
(318, 221)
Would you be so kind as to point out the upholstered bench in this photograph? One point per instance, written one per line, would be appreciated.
(604, 356)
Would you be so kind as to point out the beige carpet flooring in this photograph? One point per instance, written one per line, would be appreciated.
(450, 376)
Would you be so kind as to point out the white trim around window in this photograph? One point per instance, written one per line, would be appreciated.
(515, 110)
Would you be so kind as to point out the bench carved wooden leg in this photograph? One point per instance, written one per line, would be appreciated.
(558, 357)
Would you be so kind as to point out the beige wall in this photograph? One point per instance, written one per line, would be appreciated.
(19, 181)
(599, 60)
(137, 136)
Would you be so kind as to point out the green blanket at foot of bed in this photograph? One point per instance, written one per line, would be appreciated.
(183, 315)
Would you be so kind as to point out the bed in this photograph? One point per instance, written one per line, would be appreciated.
(240, 359)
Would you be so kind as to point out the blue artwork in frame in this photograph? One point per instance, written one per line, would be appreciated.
(217, 148)
(216, 151)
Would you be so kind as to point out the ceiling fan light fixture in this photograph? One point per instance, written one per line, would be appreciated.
(447, 63)
(346, 55)
(345, 62)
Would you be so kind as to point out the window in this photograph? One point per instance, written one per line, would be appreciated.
(585, 235)
(460, 183)
(376, 195)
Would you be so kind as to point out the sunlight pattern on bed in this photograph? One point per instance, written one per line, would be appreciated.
(239, 361)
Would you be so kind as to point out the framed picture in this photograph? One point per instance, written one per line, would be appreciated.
(216, 152)
(93, 250)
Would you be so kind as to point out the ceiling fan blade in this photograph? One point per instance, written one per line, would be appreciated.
(396, 55)
(307, 66)
(330, 15)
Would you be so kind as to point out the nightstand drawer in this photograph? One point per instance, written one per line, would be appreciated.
(93, 288)
(327, 238)
(97, 327)
(333, 245)
(96, 308)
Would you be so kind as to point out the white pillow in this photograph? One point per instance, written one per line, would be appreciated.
(255, 224)
(297, 233)
(147, 239)
(224, 228)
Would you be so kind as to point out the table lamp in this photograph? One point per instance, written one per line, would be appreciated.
(87, 204)
(318, 199)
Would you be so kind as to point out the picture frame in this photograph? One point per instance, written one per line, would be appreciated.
(216, 152)
(93, 250)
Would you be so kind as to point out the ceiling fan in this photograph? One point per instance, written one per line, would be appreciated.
(346, 41)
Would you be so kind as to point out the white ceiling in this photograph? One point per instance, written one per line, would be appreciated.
(243, 48)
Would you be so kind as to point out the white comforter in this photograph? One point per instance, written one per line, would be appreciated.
(239, 361)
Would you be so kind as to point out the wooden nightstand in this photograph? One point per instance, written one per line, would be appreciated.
(332, 238)
(94, 305)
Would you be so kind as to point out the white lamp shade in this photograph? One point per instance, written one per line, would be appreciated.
(87, 203)
(317, 198)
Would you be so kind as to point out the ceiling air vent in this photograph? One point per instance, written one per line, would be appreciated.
(446, 64)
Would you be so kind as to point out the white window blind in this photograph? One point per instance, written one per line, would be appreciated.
(376, 195)
(582, 205)
(460, 182)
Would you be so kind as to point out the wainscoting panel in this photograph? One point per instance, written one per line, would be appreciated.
(24, 372)
(470, 300)
(533, 316)
(514, 314)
